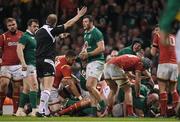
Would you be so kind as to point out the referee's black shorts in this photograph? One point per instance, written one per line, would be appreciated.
(45, 68)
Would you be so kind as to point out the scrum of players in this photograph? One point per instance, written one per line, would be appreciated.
(126, 85)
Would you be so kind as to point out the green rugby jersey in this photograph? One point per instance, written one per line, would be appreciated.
(29, 42)
(127, 50)
(171, 12)
(92, 37)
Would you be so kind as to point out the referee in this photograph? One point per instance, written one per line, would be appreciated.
(45, 55)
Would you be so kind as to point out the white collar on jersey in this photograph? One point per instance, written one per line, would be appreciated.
(89, 30)
(48, 29)
(29, 32)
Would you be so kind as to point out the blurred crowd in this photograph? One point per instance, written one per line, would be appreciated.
(119, 20)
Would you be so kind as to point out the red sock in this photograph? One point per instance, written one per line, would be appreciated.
(70, 108)
(129, 110)
(75, 106)
(175, 97)
(110, 109)
(15, 99)
(16, 93)
(163, 103)
(2, 97)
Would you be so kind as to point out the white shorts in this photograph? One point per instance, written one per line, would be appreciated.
(15, 72)
(178, 46)
(167, 71)
(31, 70)
(94, 69)
(113, 72)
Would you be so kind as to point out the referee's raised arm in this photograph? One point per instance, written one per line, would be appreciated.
(60, 28)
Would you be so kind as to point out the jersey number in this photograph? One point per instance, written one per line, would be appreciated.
(172, 41)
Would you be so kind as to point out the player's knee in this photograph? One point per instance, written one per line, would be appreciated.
(17, 84)
(4, 82)
(89, 86)
(34, 87)
(25, 90)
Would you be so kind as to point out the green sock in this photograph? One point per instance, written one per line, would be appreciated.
(70, 102)
(33, 99)
(90, 110)
(24, 98)
(178, 84)
(102, 104)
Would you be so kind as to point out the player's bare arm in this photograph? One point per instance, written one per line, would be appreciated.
(20, 48)
(138, 82)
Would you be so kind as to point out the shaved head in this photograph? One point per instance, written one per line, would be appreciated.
(51, 19)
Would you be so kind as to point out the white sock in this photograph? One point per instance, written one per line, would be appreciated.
(43, 100)
(47, 112)
(80, 97)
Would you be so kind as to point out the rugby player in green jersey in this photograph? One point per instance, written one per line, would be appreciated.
(93, 53)
(26, 52)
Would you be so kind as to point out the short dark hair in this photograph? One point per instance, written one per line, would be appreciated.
(71, 53)
(30, 21)
(155, 26)
(137, 40)
(90, 17)
(10, 19)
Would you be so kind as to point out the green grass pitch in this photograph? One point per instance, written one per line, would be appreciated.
(83, 119)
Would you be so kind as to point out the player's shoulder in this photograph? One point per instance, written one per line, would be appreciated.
(130, 56)
(40, 31)
(20, 32)
(96, 30)
(61, 58)
(24, 37)
(5, 35)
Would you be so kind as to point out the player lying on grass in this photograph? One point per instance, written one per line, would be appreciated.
(66, 104)
(61, 102)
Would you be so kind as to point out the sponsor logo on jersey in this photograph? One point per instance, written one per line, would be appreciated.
(12, 43)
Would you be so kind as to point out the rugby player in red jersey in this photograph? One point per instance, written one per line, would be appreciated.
(10, 67)
(115, 74)
(167, 71)
(64, 73)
